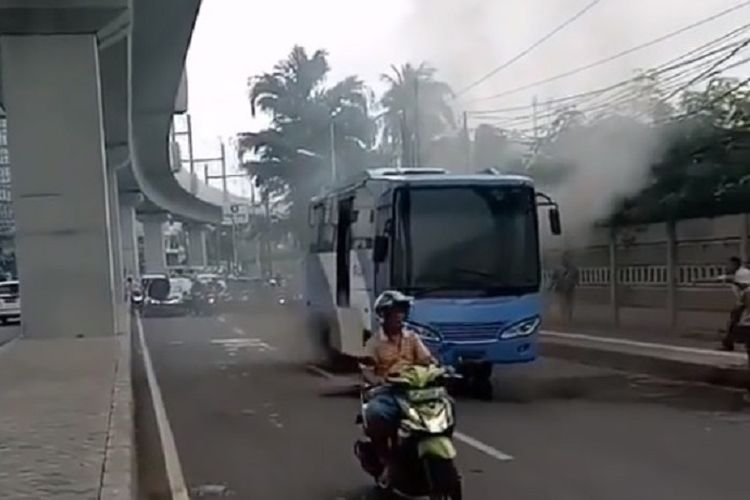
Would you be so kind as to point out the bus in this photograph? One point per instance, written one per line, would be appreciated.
(466, 247)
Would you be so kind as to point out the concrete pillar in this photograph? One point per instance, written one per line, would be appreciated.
(197, 245)
(60, 194)
(128, 236)
(154, 250)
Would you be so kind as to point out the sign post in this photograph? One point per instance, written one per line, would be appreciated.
(234, 215)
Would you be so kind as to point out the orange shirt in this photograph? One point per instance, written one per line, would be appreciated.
(392, 355)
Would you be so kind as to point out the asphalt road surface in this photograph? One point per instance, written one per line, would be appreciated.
(252, 422)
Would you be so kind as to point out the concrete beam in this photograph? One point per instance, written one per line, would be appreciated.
(154, 249)
(157, 57)
(197, 254)
(47, 17)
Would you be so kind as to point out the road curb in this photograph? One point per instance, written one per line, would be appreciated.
(118, 471)
(670, 362)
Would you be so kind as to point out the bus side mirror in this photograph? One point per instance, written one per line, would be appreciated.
(554, 221)
(380, 249)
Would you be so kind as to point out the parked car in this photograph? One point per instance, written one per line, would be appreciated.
(10, 302)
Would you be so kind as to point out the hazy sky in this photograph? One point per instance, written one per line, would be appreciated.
(464, 39)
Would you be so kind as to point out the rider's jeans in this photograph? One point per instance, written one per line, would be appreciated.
(382, 413)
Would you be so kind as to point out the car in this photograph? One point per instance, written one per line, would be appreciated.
(177, 301)
(10, 301)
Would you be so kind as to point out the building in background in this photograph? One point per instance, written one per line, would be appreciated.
(7, 220)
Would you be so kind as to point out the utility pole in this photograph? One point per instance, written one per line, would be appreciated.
(224, 173)
(467, 144)
(417, 154)
(534, 104)
(332, 133)
(406, 156)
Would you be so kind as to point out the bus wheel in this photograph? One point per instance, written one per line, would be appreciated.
(478, 379)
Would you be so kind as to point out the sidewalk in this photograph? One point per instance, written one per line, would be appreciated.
(66, 419)
(653, 352)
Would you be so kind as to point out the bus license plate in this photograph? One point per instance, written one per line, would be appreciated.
(471, 355)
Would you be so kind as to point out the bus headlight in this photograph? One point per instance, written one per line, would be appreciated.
(423, 331)
(522, 328)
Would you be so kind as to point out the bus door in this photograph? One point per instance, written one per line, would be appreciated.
(382, 248)
(343, 250)
(349, 319)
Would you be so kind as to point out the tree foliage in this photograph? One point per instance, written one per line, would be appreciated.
(416, 110)
(294, 152)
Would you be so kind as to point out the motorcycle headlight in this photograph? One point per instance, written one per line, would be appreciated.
(423, 331)
(522, 328)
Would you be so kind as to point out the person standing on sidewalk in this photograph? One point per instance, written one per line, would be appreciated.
(564, 283)
(741, 330)
(736, 275)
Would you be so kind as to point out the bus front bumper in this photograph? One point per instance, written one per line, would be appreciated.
(518, 350)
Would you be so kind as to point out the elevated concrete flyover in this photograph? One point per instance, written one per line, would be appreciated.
(89, 88)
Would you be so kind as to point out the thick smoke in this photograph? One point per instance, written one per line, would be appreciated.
(464, 40)
(602, 166)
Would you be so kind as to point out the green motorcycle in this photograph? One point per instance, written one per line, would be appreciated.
(422, 451)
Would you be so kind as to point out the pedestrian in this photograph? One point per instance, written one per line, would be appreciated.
(129, 289)
(736, 274)
(564, 283)
(741, 329)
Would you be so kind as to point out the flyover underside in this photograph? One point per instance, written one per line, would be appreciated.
(96, 81)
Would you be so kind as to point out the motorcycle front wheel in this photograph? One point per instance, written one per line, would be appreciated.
(444, 479)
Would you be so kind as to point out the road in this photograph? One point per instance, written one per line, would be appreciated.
(251, 422)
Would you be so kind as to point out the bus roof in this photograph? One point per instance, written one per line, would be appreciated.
(428, 176)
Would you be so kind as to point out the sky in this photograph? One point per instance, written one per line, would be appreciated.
(464, 39)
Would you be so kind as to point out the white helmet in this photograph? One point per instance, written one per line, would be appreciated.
(742, 277)
(390, 299)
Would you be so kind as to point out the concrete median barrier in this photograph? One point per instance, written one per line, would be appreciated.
(662, 360)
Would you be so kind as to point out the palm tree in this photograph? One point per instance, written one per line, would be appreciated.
(305, 116)
(416, 111)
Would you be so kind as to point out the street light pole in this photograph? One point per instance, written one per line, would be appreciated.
(334, 173)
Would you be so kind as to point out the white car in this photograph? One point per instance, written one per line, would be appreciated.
(10, 301)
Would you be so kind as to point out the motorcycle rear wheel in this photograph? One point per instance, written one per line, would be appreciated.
(444, 479)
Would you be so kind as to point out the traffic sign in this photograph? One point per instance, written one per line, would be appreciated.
(236, 213)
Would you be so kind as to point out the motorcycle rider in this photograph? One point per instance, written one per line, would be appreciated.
(389, 351)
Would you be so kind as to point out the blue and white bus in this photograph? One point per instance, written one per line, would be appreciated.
(465, 246)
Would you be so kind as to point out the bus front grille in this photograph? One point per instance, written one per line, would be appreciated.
(468, 332)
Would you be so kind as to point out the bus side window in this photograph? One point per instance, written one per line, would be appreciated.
(380, 255)
(322, 232)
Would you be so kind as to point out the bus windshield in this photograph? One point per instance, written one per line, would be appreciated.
(466, 241)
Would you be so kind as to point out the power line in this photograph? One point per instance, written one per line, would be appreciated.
(529, 49)
(622, 99)
(710, 70)
(618, 55)
(676, 81)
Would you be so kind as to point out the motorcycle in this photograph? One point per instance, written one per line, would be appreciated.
(136, 300)
(422, 451)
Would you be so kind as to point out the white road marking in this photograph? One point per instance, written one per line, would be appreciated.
(221, 319)
(468, 440)
(172, 464)
(484, 448)
(234, 345)
(318, 371)
(239, 331)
